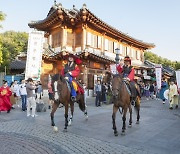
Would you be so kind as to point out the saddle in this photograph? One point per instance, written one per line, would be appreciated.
(77, 87)
(132, 88)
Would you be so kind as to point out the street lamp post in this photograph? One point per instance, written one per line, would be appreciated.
(117, 52)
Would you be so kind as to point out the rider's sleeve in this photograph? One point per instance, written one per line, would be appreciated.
(62, 72)
(75, 72)
(131, 75)
(119, 68)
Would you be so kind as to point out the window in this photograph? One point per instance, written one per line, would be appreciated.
(56, 39)
(89, 39)
(110, 46)
(78, 39)
(69, 39)
(106, 44)
(115, 45)
(99, 42)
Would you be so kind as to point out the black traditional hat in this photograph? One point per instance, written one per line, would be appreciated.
(29, 80)
(77, 60)
(127, 58)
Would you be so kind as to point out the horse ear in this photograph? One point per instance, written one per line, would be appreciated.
(60, 77)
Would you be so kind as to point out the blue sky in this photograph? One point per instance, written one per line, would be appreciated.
(153, 21)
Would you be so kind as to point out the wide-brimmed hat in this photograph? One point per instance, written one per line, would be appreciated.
(4, 82)
(127, 58)
(29, 80)
(77, 60)
(171, 80)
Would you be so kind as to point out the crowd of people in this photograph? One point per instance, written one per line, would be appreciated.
(168, 91)
(28, 92)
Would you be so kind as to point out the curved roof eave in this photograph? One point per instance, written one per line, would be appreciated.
(123, 35)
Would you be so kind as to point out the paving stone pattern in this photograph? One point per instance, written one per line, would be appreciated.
(25, 137)
(157, 133)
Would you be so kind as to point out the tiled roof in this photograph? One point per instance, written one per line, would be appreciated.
(57, 13)
(96, 55)
(17, 64)
(165, 69)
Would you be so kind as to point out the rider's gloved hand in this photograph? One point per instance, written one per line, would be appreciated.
(127, 79)
(66, 78)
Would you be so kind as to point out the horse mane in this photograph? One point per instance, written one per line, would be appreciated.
(57, 77)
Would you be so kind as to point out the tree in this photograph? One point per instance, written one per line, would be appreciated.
(159, 60)
(2, 17)
(13, 43)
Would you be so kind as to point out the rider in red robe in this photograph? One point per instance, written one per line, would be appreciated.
(71, 71)
(127, 70)
(5, 93)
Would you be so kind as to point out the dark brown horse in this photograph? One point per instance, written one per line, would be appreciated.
(62, 95)
(122, 98)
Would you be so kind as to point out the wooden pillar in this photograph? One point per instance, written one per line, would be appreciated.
(84, 37)
(85, 77)
(64, 36)
(103, 42)
(50, 40)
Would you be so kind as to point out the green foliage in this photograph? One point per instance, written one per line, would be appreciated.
(2, 17)
(13, 43)
(159, 60)
(1, 57)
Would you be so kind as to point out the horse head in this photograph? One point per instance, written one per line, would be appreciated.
(116, 85)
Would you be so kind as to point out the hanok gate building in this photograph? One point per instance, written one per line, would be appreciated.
(84, 34)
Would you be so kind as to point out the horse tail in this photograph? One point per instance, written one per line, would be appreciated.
(81, 103)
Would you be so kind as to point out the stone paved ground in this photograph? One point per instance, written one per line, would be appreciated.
(158, 132)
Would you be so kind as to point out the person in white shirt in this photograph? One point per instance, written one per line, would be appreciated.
(23, 93)
(16, 92)
(173, 94)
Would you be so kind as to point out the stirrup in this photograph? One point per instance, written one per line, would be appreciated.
(73, 98)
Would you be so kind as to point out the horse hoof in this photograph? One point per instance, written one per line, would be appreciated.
(55, 129)
(69, 123)
(65, 130)
(137, 122)
(115, 133)
(86, 118)
(123, 133)
(130, 126)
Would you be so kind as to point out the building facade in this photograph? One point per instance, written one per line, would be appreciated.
(82, 33)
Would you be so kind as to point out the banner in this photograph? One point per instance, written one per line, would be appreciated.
(113, 69)
(158, 70)
(34, 55)
(178, 78)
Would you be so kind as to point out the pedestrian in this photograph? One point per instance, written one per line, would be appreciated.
(104, 92)
(173, 95)
(12, 98)
(146, 90)
(98, 91)
(5, 93)
(23, 93)
(31, 102)
(164, 86)
(39, 92)
(151, 90)
(16, 92)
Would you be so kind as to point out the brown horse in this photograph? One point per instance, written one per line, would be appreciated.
(62, 95)
(122, 98)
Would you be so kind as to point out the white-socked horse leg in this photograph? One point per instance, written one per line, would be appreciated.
(70, 120)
